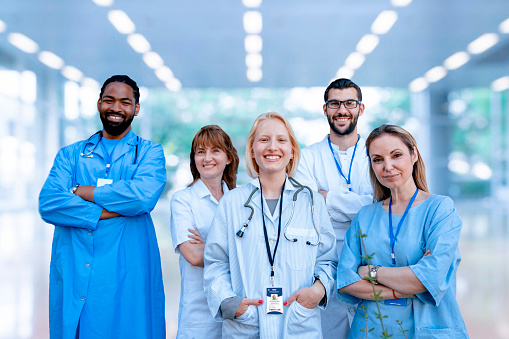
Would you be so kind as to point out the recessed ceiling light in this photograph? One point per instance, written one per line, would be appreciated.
(138, 43)
(384, 22)
(254, 60)
(355, 60)
(51, 60)
(153, 60)
(23, 42)
(418, 85)
(253, 44)
(254, 74)
(164, 73)
(400, 3)
(501, 84)
(435, 74)
(482, 43)
(173, 85)
(121, 21)
(253, 22)
(72, 73)
(252, 3)
(3, 26)
(504, 26)
(367, 43)
(345, 72)
(103, 3)
(456, 60)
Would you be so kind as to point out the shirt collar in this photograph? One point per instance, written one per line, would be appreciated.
(202, 190)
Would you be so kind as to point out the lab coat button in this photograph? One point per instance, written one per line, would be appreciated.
(82, 298)
(89, 233)
(271, 242)
(88, 265)
(351, 310)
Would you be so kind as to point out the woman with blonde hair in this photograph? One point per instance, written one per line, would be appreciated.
(214, 163)
(412, 239)
(270, 257)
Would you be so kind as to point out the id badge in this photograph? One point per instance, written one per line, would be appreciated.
(395, 302)
(274, 300)
(103, 181)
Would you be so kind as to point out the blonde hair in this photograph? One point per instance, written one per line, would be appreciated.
(380, 192)
(252, 167)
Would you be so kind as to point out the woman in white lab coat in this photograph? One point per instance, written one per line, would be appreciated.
(267, 280)
(214, 163)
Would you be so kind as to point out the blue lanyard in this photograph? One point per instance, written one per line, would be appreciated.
(391, 232)
(108, 157)
(348, 182)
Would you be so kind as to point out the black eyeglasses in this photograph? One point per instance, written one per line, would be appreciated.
(336, 104)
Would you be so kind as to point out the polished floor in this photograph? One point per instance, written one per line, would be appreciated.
(25, 245)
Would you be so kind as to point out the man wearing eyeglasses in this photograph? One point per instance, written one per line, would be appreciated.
(338, 168)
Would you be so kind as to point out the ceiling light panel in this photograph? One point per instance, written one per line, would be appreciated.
(72, 73)
(51, 60)
(367, 43)
(103, 3)
(483, 43)
(384, 22)
(253, 22)
(121, 21)
(435, 74)
(456, 60)
(501, 84)
(3, 26)
(23, 42)
(252, 3)
(401, 3)
(418, 85)
(139, 43)
(504, 26)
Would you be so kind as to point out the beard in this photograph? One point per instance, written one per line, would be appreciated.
(116, 128)
(348, 130)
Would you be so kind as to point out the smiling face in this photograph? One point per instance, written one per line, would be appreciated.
(343, 121)
(392, 161)
(117, 109)
(272, 148)
(210, 162)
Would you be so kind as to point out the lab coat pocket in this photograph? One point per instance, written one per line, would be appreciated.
(300, 255)
(129, 172)
(302, 322)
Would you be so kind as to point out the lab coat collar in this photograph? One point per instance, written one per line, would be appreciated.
(202, 191)
(361, 146)
(287, 199)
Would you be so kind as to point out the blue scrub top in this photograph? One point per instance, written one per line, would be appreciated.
(432, 225)
(105, 274)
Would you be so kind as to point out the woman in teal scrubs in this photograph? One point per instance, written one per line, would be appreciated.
(413, 236)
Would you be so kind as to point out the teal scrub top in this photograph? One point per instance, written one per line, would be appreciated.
(432, 225)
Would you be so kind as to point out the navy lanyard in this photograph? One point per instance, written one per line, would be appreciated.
(348, 182)
(271, 258)
(391, 232)
(108, 157)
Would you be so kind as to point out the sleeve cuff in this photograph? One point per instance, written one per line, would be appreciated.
(230, 306)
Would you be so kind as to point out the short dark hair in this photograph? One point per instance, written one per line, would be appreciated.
(342, 83)
(126, 80)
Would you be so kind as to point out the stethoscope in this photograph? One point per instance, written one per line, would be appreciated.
(90, 155)
(294, 182)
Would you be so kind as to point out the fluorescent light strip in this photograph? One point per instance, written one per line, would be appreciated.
(456, 60)
(253, 43)
(72, 73)
(501, 84)
(483, 43)
(418, 85)
(367, 43)
(51, 60)
(3, 26)
(252, 3)
(345, 72)
(253, 22)
(121, 21)
(504, 26)
(401, 3)
(103, 3)
(384, 22)
(355, 60)
(153, 60)
(435, 74)
(164, 73)
(139, 43)
(23, 43)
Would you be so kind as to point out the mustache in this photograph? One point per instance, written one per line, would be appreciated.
(115, 113)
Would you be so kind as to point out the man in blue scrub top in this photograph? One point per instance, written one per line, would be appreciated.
(105, 273)
(338, 168)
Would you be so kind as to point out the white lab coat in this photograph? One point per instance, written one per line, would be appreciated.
(240, 266)
(317, 169)
(193, 207)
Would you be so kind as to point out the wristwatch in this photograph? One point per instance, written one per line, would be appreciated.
(74, 188)
(373, 273)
